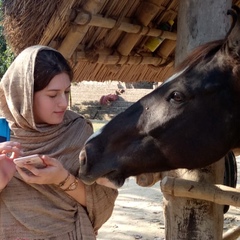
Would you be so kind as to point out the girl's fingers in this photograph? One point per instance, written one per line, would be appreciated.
(2, 157)
(10, 149)
(10, 144)
(49, 161)
(31, 175)
(6, 149)
(25, 175)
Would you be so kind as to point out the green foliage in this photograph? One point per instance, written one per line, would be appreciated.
(6, 58)
(6, 55)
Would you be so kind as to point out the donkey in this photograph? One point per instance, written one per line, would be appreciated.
(190, 121)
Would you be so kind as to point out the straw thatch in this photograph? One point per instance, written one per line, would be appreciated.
(103, 39)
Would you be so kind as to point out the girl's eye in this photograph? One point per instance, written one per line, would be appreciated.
(52, 96)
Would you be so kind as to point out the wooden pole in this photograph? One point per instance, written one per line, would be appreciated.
(120, 60)
(84, 18)
(216, 193)
(148, 10)
(186, 218)
(192, 219)
(200, 22)
(76, 33)
(232, 234)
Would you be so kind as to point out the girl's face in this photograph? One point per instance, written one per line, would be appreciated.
(50, 104)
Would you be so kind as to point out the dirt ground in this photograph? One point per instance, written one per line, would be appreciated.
(138, 214)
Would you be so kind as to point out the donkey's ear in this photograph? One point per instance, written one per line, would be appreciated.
(234, 19)
(232, 44)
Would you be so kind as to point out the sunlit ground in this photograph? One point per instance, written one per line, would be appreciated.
(138, 214)
(97, 124)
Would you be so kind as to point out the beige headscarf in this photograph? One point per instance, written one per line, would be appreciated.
(43, 211)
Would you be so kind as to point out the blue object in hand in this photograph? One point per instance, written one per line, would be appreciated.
(4, 130)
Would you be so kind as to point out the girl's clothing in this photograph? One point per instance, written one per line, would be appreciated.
(32, 211)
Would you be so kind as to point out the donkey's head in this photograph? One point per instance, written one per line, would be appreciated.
(190, 121)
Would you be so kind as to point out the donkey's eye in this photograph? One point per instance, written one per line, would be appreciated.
(177, 97)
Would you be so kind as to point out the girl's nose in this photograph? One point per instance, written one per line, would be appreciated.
(63, 101)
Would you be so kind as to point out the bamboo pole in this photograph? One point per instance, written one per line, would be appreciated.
(166, 48)
(121, 60)
(147, 12)
(84, 18)
(196, 219)
(216, 193)
(76, 33)
(232, 234)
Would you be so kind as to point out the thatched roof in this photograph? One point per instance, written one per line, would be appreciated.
(103, 39)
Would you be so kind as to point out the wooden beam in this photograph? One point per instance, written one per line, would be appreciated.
(216, 193)
(117, 59)
(232, 234)
(76, 33)
(84, 18)
(146, 13)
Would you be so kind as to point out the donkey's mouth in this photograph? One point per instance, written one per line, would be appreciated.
(104, 181)
(107, 183)
(112, 179)
(87, 180)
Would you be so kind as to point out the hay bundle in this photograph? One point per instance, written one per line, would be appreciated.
(25, 20)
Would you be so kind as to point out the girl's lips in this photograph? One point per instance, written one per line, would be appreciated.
(60, 113)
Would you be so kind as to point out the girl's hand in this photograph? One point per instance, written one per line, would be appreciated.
(53, 173)
(8, 151)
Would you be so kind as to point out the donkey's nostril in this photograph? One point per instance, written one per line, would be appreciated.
(82, 158)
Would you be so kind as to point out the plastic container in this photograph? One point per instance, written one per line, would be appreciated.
(4, 130)
(154, 42)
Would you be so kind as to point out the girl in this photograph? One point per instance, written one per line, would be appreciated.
(50, 203)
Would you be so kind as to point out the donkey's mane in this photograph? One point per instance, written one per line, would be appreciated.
(203, 52)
